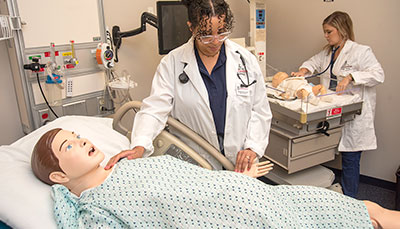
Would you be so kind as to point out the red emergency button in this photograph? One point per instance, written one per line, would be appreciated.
(45, 116)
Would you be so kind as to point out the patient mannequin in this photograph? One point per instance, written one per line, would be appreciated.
(63, 157)
(298, 87)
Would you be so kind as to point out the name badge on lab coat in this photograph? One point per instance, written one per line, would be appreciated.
(242, 91)
(346, 67)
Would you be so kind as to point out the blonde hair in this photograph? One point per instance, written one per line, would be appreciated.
(343, 23)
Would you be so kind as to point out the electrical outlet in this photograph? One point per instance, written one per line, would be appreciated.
(100, 102)
(69, 87)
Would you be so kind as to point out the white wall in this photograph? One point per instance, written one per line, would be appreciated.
(294, 33)
(10, 123)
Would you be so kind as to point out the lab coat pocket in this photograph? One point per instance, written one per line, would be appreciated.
(241, 103)
(237, 121)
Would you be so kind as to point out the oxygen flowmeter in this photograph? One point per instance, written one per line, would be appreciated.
(54, 83)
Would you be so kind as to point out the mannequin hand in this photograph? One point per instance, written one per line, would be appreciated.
(245, 158)
(342, 85)
(302, 94)
(259, 169)
(136, 152)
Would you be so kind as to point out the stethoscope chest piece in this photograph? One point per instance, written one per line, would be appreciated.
(183, 78)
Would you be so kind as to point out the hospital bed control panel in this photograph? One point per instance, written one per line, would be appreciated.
(167, 143)
(177, 152)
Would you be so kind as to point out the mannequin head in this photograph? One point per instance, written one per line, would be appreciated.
(278, 78)
(61, 156)
(43, 160)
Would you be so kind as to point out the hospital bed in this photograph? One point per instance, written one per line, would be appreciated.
(25, 202)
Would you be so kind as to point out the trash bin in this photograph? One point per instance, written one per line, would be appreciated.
(398, 189)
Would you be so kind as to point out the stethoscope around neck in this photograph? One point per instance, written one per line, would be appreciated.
(183, 77)
(330, 63)
(247, 74)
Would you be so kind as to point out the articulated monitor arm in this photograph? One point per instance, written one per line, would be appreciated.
(117, 35)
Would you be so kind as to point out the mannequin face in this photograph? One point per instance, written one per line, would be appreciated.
(332, 35)
(77, 156)
(214, 27)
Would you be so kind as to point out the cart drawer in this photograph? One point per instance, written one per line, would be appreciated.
(310, 160)
(309, 144)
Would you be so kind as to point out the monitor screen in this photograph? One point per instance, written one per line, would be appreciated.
(173, 30)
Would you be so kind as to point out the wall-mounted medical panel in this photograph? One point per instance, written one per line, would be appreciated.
(62, 36)
(84, 84)
(258, 32)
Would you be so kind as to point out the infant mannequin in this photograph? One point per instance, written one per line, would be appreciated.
(298, 87)
(167, 192)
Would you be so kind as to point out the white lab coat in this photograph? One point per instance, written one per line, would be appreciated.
(359, 61)
(248, 115)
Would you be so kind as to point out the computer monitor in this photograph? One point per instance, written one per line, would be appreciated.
(173, 30)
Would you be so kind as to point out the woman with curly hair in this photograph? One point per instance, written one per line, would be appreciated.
(213, 86)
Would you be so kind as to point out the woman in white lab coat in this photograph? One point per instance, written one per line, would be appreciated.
(354, 65)
(213, 86)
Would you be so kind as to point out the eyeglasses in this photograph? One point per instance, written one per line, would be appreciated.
(210, 38)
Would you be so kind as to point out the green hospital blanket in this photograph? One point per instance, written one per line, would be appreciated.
(165, 192)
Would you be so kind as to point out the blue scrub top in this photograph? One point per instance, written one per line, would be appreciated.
(216, 88)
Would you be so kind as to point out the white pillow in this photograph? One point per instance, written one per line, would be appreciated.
(25, 202)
